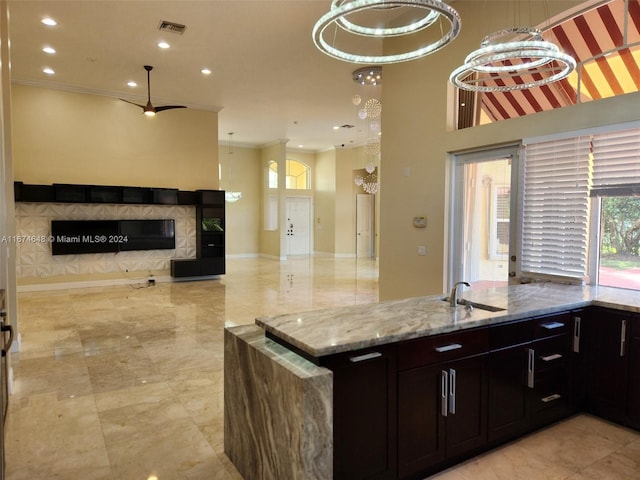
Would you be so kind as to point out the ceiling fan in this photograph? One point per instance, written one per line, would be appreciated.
(149, 109)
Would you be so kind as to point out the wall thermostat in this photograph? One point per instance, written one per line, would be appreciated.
(420, 222)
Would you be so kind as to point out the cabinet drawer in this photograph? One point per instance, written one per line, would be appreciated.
(552, 352)
(510, 334)
(551, 325)
(442, 348)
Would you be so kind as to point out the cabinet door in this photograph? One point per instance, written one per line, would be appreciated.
(608, 365)
(508, 393)
(466, 423)
(442, 412)
(364, 414)
(422, 410)
(633, 394)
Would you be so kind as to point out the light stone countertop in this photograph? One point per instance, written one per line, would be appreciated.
(325, 332)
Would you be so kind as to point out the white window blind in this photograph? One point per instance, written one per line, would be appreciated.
(616, 162)
(557, 176)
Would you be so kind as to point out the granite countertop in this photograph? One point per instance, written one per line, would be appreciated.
(325, 332)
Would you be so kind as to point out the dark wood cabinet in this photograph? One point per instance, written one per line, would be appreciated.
(409, 409)
(608, 363)
(364, 413)
(442, 406)
(210, 238)
(633, 392)
(529, 375)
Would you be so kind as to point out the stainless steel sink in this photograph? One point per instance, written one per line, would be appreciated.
(480, 306)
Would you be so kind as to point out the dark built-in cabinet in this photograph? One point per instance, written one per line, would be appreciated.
(613, 365)
(406, 410)
(210, 238)
(210, 218)
(442, 405)
(530, 371)
(364, 413)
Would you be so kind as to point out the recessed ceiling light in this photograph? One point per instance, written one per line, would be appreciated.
(49, 50)
(48, 71)
(50, 22)
(163, 45)
(300, 146)
(132, 84)
(336, 127)
(205, 71)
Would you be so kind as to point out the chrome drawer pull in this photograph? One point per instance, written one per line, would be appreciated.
(576, 334)
(552, 325)
(452, 391)
(551, 398)
(366, 356)
(531, 356)
(549, 358)
(448, 348)
(623, 337)
(444, 393)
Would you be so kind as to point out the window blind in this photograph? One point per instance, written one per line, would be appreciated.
(616, 162)
(556, 182)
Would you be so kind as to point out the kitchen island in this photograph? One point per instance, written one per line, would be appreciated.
(286, 376)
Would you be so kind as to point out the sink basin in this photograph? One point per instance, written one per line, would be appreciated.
(480, 306)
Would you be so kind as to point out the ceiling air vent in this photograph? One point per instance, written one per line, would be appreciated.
(172, 27)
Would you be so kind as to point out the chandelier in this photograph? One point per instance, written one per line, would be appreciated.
(231, 197)
(370, 112)
(348, 22)
(512, 59)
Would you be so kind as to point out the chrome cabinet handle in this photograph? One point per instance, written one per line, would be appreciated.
(531, 367)
(552, 325)
(452, 391)
(366, 356)
(448, 348)
(576, 334)
(623, 335)
(553, 356)
(551, 398)
(7, 328)
(444, 391)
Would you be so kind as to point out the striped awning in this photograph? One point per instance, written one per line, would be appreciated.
(604, 41)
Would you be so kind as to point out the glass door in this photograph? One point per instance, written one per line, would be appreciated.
(482, 218)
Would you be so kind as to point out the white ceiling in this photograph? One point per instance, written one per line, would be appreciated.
(269, 81)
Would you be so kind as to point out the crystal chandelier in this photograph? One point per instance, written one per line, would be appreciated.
(343, 18)
(512, 59)
(370, 112)
(230, 196)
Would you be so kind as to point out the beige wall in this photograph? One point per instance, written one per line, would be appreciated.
(241, 171)
(65, 137)
(324, 202)
(270, 242)
(416, 98)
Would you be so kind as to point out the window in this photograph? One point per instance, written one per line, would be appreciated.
(581, 209)
(297, 175)
(555, 208)
(272, 172)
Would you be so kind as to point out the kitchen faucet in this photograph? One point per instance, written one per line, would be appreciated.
(453, 298)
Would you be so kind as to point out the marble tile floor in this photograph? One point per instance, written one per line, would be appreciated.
(125, 382)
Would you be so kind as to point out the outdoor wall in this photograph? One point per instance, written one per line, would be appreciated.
(66, 137)
(417, 98)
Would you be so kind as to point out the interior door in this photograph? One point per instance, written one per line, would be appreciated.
(298, 226)
(365, 221)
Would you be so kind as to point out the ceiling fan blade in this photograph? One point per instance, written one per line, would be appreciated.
(169, 107)
(133, 103)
